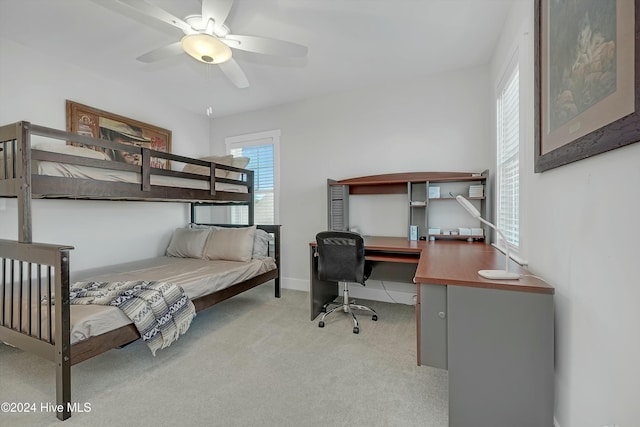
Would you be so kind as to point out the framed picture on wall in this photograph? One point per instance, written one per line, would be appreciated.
(587, 79)
(89, 121)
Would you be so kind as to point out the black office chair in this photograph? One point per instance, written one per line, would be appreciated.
(341, 259)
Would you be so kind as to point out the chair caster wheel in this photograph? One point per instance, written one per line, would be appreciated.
(323, 310)
(321, 324)
(356, 330)
(374, 317)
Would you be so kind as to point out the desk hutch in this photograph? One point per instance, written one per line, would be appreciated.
(421, 200)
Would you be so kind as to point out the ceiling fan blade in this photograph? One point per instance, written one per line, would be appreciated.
(159, 14)
(233, 71)
(218, 10)
(162, 53)
(264, 45)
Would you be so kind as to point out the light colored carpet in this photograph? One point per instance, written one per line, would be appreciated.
(251, 360)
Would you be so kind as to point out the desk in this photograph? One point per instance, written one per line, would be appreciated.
(495, 337)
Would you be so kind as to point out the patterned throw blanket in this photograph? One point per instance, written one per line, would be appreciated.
(161, 311)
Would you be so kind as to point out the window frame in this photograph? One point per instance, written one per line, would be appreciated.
(257, 139)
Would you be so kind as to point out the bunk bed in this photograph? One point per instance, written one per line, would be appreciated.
(35, 309)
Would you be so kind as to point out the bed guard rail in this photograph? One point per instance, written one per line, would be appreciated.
(34, 307)
(16, 155)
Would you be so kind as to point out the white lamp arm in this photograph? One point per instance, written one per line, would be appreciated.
(504, 239)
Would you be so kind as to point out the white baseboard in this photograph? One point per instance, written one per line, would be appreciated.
(295, 284)
(382, 295)
(356, 291)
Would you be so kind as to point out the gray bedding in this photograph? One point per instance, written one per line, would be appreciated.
(197, 277)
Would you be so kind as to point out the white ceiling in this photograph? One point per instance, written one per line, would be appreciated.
(352, 43)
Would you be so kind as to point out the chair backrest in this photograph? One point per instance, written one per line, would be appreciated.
(341, 256)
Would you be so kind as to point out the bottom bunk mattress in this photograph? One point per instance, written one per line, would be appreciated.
(197, 277)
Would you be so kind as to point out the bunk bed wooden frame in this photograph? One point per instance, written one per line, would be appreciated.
(33, 270)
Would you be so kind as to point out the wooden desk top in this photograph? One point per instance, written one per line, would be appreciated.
(458, 262)
(394, 244)
(444, 262)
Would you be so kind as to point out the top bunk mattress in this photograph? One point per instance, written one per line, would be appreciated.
(87, 172)
(105, 174)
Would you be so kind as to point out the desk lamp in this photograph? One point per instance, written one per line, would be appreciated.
(490, 274)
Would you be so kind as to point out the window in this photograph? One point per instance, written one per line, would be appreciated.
(508, 164)
(262, 149)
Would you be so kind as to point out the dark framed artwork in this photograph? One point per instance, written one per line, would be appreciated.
(89, 121)
(587, 78)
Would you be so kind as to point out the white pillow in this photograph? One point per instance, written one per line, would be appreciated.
(204, 170)
(261, 244)
(232, 244)
(187, 243)
(239, 162)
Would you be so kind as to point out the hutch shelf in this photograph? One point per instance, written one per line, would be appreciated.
(428, 197)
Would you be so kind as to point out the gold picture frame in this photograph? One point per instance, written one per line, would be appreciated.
(99, 124)
(587, 79)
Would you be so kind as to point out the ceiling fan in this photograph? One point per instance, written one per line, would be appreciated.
(208, 40)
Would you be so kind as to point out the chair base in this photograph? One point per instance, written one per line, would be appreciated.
(347, 307)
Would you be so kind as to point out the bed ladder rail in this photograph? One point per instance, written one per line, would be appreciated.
(15, 158)
(35, 278)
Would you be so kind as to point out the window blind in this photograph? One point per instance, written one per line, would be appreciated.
(262, 162)
(508, 164)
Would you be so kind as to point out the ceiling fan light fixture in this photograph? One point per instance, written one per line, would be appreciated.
(206, 48)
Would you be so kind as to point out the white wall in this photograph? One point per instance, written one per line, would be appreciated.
(34, 87)
(581, 232)
(439, 123)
